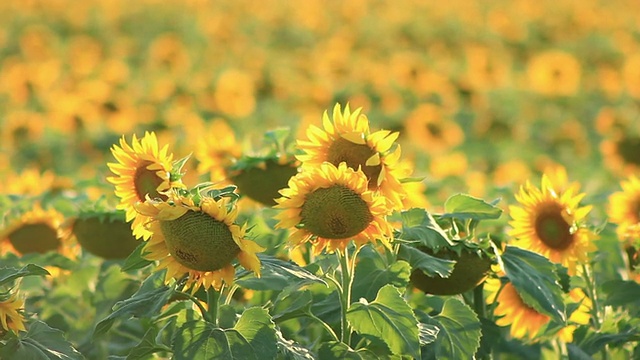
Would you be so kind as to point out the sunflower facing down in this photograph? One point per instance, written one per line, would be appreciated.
(330, 206)
(199, 240)
(624, 210)
(142, 169)
(548, 221)
(348, 139)
(11, 318)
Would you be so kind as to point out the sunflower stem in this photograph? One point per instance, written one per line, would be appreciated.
(213, 299)
(592, 295)
(480, 309)
(345, 295)
(230, 293)
(203, 311)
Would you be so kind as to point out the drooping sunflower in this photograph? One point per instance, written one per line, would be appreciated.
(347, 138)
(11, 317)
(525, 322)
(329, 206)
(198, 240)
(36, 231)
(549, 220)
(624, 210)
(142, 169)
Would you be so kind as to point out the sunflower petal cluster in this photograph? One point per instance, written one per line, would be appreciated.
(550, 221)
(624, 210)
(197, 240)
(11, 318)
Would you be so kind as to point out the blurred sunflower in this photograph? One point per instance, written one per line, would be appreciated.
(199, 240)
(620, 151)
(554, 73)
(35, 231)
(142, 169)
(217, 151)
(428, 128)
(548, 220)
(329, 206)
(525, 321)
(624, 210)
(348, 139)
(631, 75)
(11, 313)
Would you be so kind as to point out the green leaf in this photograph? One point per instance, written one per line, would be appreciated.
(253, 337)
(201, 340)
(372, 273)
(459, 331)
(49, 259)
(428, 333)
(536, 281)
(388, 318)
(334, 350)
(430, 265)
(276, 275)
(256, 326)
(419, 225)
(290, 305)
(226, 316)
(620, 292)
(463, 206)
(39, 342)
(135, 260)
(146, 302)
(148, 345)
(9, 274)
(290, 350)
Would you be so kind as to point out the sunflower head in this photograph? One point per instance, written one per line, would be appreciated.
(329, 206)
(624, 210)
(261, 180)
(35, 231)
(346, 138)
(143, 169)
(197, 237)
(11, 318)
(104, 234)
(549, 221)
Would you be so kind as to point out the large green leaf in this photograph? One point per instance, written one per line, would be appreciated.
(372, 273)
(536, 281)
(9, 274)
(253, 337)
(135, 260)
(459, 332)
(150, 344)
(428, 333)
(40, 342)
(276, 275)
(388, 318)
(430, 265)
(620, 292)
(418, 225)
(463, 206)
(290, 305)
(289, 350)
(334, 350)
(146, 302)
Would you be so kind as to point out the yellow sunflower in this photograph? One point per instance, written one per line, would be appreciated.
(580, 316)
(198, 240)
(330, 206)
(554, 72)
(36, 231)
(348, 139)
(624, 210)
(217, 151)
(431, 130)
(142, 169)
(620, 151)
(548, 220)
(11, 313)
(525, 321)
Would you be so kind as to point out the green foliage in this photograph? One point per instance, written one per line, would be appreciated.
(430, 265)
(40, 342)
(8, 275)
(276, 274)
(334, 350)
(420, 227)
(388, 318)
(372, 273)
(620, 292)
(536, 281)
(466, 207)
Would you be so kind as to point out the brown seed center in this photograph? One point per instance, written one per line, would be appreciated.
(552, 229)
(34, 238)
(629, 150)
(146, 182)
(335, 213)
(355, 155)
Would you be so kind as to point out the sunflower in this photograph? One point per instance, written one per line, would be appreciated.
(11, 313)
(330, 206)
(620, 151)
(217, 151)
(262, 181)
(525, 321)
(548, 220)
(199, 240)
(579, 316)
(142, 169)
(624, 210)
(348, 139)
(554, 73)
(428, 128)
(35, 231)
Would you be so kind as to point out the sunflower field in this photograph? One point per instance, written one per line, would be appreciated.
(356, 179)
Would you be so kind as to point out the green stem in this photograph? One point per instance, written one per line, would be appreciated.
(230, 293)
(480, 309)
(345, 296)
(213, 299)
(325, 325)
(595, 309)
(203, 311)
